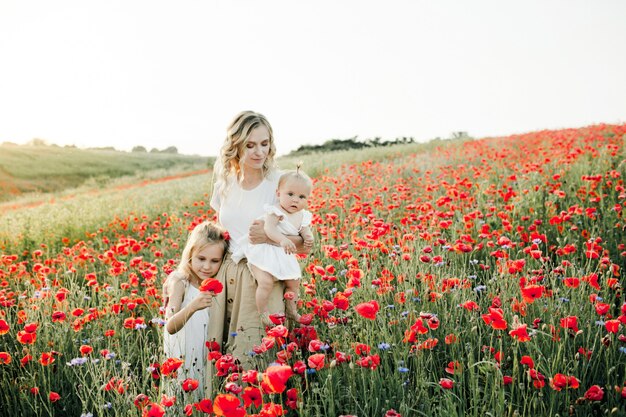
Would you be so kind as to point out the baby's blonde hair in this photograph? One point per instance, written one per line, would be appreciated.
(205, 233)
(295, 174)
(237, 135)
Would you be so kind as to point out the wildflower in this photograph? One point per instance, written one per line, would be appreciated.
(316, 361)
(46, 358)
(384, 346)
(204, 406)
(570, 323)
(252, 395)
(4, 327)
(612, 326)
(170, 366)
(368, 309)
(594, 393)
(560, 381)
(77, 362)
(520, 334)
(495, 319)
(446, 383)
(153, 410)
(211, 285)
(5, 358)
(228, 405)
(275, 377)
(528, 361)
(54, 397)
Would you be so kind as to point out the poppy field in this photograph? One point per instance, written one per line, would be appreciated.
(475, 278)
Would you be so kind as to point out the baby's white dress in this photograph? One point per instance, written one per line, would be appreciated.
(271, 258)
(189, 344)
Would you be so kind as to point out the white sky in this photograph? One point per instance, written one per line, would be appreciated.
(162, 73)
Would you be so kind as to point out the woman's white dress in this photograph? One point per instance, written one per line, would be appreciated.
(189, 343)
(271, 258)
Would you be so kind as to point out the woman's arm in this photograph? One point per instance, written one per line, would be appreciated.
(257, 235)
(176, 316)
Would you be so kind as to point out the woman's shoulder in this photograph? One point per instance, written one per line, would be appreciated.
(273, 175)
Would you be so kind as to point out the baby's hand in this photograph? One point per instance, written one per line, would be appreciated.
(288, 246)
(201, 301)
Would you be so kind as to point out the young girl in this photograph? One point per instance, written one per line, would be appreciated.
(270, 262)
(186, 309)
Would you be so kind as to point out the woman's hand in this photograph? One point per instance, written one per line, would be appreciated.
(257, 233)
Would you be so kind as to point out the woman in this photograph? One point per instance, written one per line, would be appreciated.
(246, 179)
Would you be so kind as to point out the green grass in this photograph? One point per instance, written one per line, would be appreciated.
(26, 169)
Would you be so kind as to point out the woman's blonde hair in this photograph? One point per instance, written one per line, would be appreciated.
(237, 135)
(205, 233)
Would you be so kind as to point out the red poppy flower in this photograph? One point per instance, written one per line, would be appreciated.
(528, 361)
(204, 405)
(368, 309)
(26, 338)
(275, 378)
(85, 350)
(594, 393)
(470, 305)
(168, 401)
(272, 410)
(153, 410)
(612, 326)
(4, 327)
(520, 334)
(170, 366)
(211, 285)
(141, 400)
(371, 362)
(26, 359)
(316, 361)
(190, 384)
(252, 395)
(341, 301)
(5, 358)
(46, 358)
(278, 331)
(227, 405)
(570, 322)
(57, 316)
(54, 397)
(531, 293)
(495, 319)
(446, 383)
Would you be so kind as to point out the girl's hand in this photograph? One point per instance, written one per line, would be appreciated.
(201, 301)
(288, 246)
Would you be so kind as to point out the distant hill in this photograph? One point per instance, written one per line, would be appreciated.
(50, 168)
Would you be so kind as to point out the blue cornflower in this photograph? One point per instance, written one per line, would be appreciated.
(403, 369)
(384, 346)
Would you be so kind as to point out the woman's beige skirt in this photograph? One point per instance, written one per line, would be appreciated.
(234, 321)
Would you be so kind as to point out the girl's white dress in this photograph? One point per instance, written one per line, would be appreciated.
(189, 344)
(271, 258)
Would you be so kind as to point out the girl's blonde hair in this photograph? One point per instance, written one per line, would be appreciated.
(205, 233)
(295, 174)
(237, 135)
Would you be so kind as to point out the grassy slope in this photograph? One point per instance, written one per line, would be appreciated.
(26, 169)
(71, 213)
